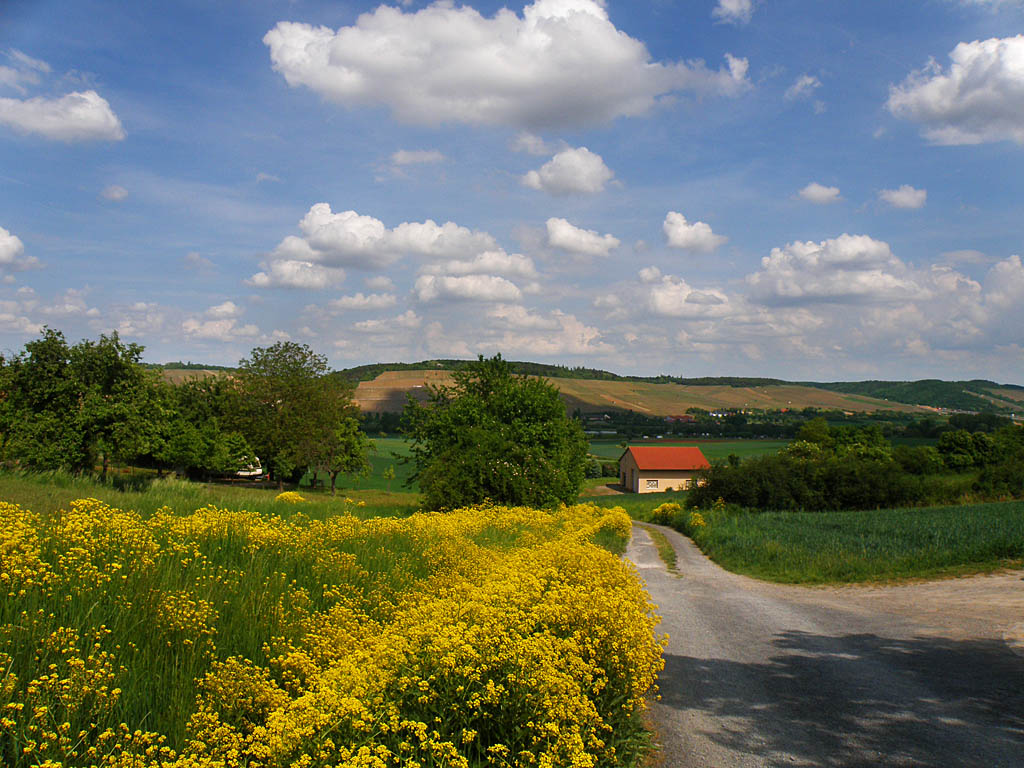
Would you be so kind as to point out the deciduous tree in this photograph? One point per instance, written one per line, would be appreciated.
(492, 435)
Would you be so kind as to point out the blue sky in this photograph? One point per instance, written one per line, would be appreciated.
(783, 188)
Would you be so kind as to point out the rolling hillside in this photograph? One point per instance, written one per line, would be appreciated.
(387, 392)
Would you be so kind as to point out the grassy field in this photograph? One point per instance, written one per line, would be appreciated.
(876, 545)
(48, 492)
(230, 638)
(387, 452)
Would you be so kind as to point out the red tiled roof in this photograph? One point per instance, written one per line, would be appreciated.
(668, 457)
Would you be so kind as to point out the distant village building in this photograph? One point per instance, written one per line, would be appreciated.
(653, 468)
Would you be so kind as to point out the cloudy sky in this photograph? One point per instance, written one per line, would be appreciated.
(792, 188)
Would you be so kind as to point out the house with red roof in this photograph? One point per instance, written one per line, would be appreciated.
(653, 468)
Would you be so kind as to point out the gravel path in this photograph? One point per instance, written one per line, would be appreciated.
(768, 675)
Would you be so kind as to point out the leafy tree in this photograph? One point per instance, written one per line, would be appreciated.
(293, 414)
(344, 449)
(493, 435)
(73, 406)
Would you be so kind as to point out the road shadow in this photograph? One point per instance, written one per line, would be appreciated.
(859, 700)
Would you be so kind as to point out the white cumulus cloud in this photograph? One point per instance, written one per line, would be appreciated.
(487, 263)
(845, 269)
(221, 323)
(295, 273)
(561, 63)
(363, 301)
(466, 288)
(568, 237)
(672, 296)
(904, 197)
(733, 11)
(980, 98)
(819, 194)
(78, 116)
(693, 237)
(348, 239)
(12, 253)
(571, 172)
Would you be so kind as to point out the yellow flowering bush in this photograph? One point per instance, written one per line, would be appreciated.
(488, 636)
(290, 497)
(665, 514)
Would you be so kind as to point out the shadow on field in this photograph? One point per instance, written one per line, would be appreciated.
(861, 700)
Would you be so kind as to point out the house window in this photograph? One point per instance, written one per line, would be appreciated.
(652, 484)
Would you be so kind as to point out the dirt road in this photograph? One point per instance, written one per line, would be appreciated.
(756, 674)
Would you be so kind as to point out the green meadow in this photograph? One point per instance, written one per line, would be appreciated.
(862, 546)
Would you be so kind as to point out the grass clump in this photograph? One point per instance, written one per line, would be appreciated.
(220, 637)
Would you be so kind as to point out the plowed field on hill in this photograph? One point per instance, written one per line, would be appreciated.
(389, 390)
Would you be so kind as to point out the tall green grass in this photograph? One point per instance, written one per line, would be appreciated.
(46, 492)
(858, 546)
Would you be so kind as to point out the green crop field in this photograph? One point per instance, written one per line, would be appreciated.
(875, 545)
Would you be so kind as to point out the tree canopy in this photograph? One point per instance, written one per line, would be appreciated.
(495, 436)
(296, 416)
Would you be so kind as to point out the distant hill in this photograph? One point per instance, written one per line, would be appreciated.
(707, 392)
(974, 395)
(389, 392)
(385, 386)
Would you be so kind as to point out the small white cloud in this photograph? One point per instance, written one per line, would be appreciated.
(571, 172)
(487, 263)
(904, 197)
(531, 144)
(262, 177)
(804, 86)
(194, 260)
(218, 330)
(674, 297)
(467, 288)
(979, 99)
(573, 239)
(733, 11)
(115, 193)
(361, 301)
(416, 157)
(12, 253)
(225, 310)
(294, 273)
(694, 237)
(84, 116)
(406, 321)
(819, 194)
